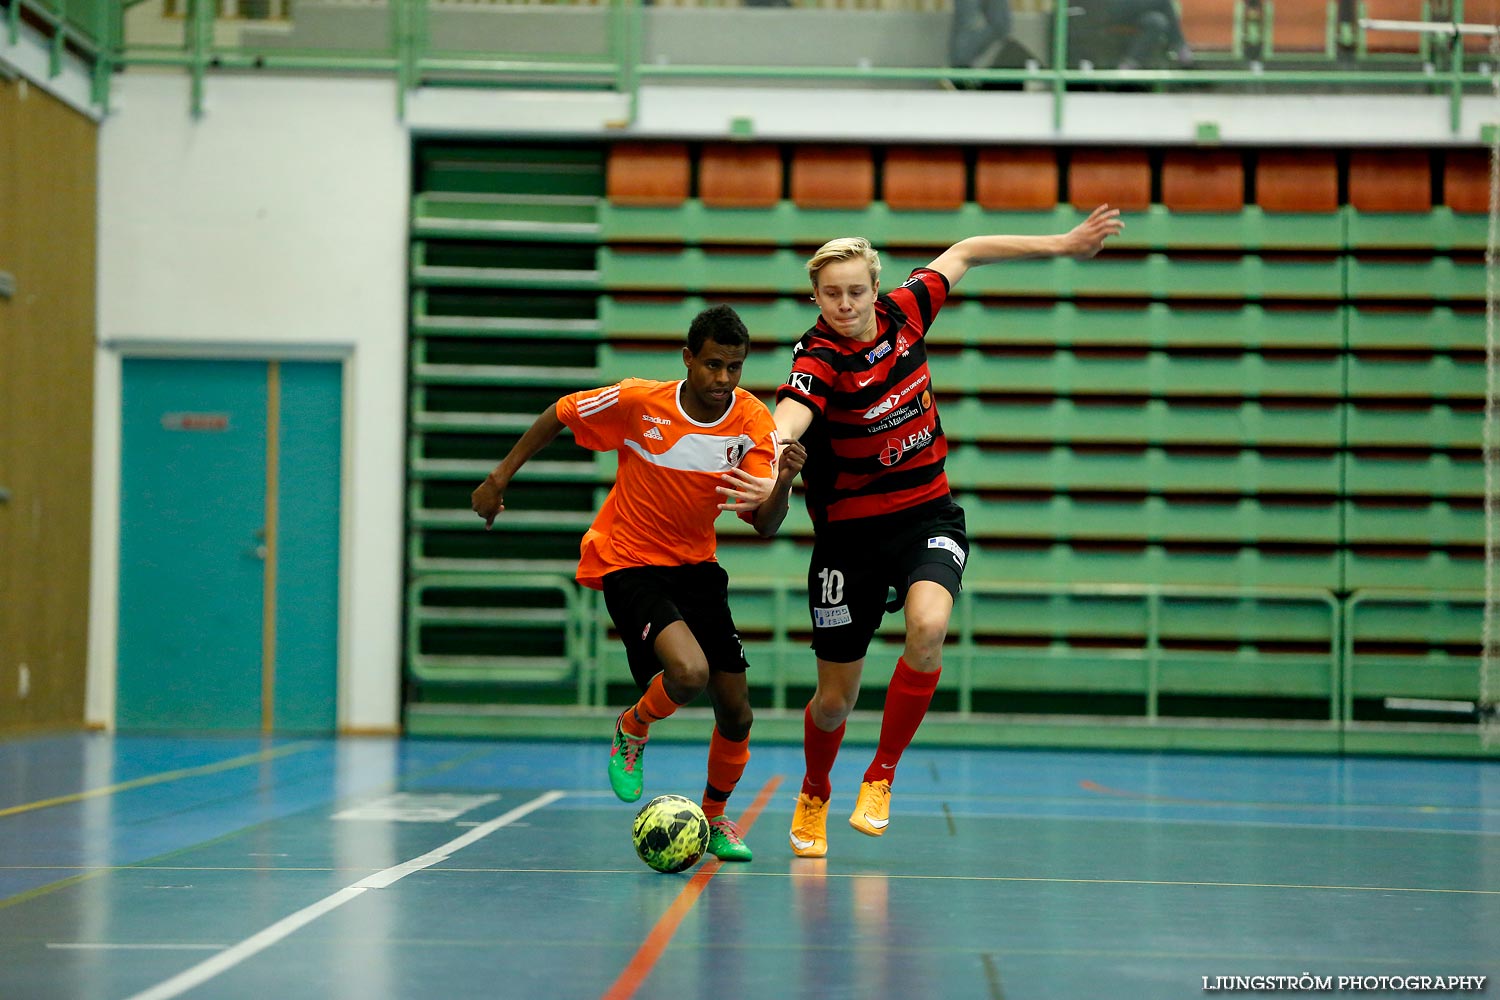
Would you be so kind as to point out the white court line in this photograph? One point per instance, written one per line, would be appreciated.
(107, 946)
(232, 956)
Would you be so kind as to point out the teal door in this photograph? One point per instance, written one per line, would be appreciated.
(229, 540)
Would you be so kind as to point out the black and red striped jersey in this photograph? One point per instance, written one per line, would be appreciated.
(876, 444)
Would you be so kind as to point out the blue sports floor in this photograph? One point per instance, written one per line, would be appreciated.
(136, 867)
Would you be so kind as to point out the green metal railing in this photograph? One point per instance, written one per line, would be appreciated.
(89, 28)
(95, 29)
(1136, 662)
(1332, 665)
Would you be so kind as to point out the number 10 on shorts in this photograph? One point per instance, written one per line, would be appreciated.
(833, 586)
(835, 612)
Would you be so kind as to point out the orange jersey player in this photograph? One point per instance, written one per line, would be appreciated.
(687, 450)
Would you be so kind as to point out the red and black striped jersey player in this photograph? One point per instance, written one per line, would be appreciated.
(860, 399)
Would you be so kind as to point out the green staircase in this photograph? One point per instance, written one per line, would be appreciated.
(504, 320)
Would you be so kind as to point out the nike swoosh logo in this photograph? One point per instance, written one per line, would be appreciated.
(888, 767)
(865, 382)
(800, 844)
(879, 824)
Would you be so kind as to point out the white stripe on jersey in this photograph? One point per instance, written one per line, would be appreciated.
(594, 404)
(699, 452)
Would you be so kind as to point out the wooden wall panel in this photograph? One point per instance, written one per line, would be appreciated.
(48, 157)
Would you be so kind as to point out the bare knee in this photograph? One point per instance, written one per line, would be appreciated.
(685, 678)
(732, 718)
(831, 707)
(734, 726)
(925, 635)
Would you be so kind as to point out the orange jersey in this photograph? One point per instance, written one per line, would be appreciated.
(662, 508)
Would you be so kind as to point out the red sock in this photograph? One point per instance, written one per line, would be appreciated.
(906, 702)
(820, 749)
(726, 763)
(654, 706)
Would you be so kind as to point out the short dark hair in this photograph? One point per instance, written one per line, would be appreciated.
(722, 325)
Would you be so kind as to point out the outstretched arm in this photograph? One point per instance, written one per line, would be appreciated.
(488, 499)
(1081, 242)
(793, 418)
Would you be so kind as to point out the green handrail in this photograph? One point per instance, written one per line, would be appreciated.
(622, 68)
(963, 654)
(1390, 596)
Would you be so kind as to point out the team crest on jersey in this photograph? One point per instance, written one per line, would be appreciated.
(878, 353)
(901, 343)
(896, 448)
(733, 452)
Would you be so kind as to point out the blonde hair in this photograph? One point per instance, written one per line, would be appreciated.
(842, 249)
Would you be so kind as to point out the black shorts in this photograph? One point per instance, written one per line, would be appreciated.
(856, 564)
(643, 600)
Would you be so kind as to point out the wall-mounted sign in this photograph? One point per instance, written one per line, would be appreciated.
(195, 421)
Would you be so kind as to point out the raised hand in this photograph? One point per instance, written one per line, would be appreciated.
(1087, 238)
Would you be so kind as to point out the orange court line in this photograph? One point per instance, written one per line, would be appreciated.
(656, 942)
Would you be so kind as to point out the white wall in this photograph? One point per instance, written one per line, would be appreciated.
(274, 225)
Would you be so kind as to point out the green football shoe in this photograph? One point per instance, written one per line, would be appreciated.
(626, 772)
(725, 841)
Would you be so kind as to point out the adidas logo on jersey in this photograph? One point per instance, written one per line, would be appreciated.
(654, 434)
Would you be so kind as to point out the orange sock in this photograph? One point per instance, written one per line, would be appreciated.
(654, 706)
(726, 763)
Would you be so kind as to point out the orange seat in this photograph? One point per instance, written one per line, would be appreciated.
(1120, 178)
(1196, 180)
(731, 175)
(1406, 42)
(1016, 180)
(924, 177)
(640, 173)
(1390, 180)
(1480, 12)
(833, 177)
(1302, 180)
(1301, 26)
(1208, 25)
(1466, 180)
